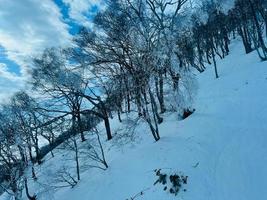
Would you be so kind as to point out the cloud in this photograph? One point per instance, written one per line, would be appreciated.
(82, 11)
(9, 83)
(5, 73)
(27, 27)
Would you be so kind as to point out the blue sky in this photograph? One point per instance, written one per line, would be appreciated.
(27, 27)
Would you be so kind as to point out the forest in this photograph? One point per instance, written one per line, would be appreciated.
(141, 58)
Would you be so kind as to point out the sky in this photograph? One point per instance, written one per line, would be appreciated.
(27, 27)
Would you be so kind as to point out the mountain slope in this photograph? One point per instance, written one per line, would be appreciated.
(221, 147)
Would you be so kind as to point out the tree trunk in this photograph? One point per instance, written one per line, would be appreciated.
(33, 173)
(34, 197)
(161, 94)
(157, 119)
(76, 158)
(226, 44)
(175, 79)
(245, 40)
(80, 127)
(23, 157)
(155, 107)
(258, 29)
(37, 152)
(200, 57)
(102, 151)
(107, 126)
(214, 62)
(147, 118)
(51, 149)
(208, 57)
(30, 153)
(119, 115)
(128, 103)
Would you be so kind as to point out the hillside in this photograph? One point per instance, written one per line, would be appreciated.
(221, 147)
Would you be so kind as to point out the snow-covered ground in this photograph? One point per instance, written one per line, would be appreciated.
(221, 147)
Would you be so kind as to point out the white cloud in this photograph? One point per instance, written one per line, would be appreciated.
(80, 9)
(9, 83)
(29, 26)
(5, 73)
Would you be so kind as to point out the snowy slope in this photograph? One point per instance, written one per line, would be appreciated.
(221, 147)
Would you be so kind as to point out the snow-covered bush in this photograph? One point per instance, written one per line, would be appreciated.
(184, 96)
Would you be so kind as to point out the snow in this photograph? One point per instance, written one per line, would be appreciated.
(221, 147)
